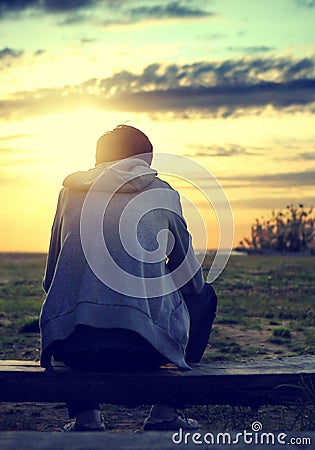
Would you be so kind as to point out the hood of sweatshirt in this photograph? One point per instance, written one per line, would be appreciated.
(126, 175)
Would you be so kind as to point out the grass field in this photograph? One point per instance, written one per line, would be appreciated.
(266, 308)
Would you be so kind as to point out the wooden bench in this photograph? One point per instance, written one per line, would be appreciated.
(287, 381)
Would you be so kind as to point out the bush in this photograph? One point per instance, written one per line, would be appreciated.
(291, 230)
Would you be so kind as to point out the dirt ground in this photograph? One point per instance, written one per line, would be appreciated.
(249, 338)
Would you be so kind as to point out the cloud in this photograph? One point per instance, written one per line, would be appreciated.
(286, 180)
(9, 53)
(67, 5)
(85, 41)
(308, 156)
(39, 52)
(7, 6)
(10, 57)
(15, 5)
(113, 12)
(10, 156)
(251, 49)
(4, 151)
(296, 153)
(231, 87)
(218, 150)
(169, 10)
(299, 68)
(74, 18)
(13, 137)
(270, 203)
(125, 13)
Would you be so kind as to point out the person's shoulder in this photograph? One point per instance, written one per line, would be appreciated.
(164, 184)
(171, 196)
(64, 194)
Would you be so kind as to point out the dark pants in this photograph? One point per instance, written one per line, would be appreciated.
(202, 311)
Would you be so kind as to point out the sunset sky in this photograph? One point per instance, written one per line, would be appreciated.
(227, 83)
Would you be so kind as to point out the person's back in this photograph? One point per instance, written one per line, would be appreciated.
(119, 265)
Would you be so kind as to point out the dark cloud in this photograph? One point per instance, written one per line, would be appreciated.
(7, 6)
(129, 14)
(222, 101)
(113, 12)
(301, 68)
(39, 52)
(232, 87)
(67, 5)
(169, 10)
(9, 57)
(16, 5)
(232, 84)
(9, 53)
(251, 49)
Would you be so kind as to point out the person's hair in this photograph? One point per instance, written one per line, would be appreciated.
(123, 142)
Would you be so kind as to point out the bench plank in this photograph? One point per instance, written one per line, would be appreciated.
(284, 381)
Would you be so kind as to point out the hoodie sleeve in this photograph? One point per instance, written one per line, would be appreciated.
(54, 246)
(182, 254)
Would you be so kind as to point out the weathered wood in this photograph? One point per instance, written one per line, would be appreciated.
(284, 381)
(143, 441)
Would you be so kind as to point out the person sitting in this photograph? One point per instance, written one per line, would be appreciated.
(123, 292)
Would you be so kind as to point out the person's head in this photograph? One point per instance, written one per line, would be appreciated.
(123, 142)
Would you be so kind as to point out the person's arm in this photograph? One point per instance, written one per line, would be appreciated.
(54, 247)
(182, 261)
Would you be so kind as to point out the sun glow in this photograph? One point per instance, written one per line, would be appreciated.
(57, 145)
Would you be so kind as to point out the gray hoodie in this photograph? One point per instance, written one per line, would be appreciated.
(120, 256)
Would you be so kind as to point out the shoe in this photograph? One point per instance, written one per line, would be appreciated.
(73, 426)
(171, 425)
